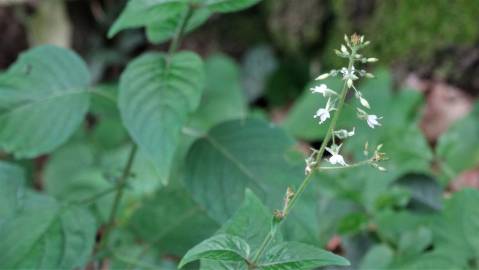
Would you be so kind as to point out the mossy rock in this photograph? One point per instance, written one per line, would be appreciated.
(401, 29)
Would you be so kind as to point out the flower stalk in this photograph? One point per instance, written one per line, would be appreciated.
(350, 75)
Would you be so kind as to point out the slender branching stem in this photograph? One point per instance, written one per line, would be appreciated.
(175, 43)
(119, 194)
(127, 169)
(304, 184)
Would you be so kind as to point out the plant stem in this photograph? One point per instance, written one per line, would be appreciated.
(181, 30)
(119, 194)
(308, 178)
(127, 170)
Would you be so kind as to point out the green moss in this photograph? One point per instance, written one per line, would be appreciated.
(411, 27)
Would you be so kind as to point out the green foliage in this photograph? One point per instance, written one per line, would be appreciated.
(162, 18)
(240, 238)
(200, 188)
(223, 97)
(291, 255)
(236, 155)
(458, 148)
(170, 89)
(166, 220)
(43, 100)
(37, 232)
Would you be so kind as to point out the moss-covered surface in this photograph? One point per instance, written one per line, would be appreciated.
(412, 29)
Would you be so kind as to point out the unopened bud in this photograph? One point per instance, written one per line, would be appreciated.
(364, 102)
(322, 76)
(372, 60)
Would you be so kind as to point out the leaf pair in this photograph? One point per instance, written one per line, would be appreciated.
(162, 17)
(237, 242)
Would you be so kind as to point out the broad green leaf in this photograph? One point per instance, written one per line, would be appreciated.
(393, 225)
(161, 18)
(236, 155)
(161, 30)
(138, 13)
(435, 260)
(251, 222)
(223, 96)
(426, 193)
(378, 257)
(11, 188)
(44, 235)
(459, 146)
(414, 242)
(43, 100)
(172, 221)
(456, 228)
(229, 5)
(156, 96)
(298, 256)
(222, 247)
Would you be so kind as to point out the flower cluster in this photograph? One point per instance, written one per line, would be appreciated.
(335, 101)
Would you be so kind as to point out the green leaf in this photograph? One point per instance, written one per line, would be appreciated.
(223, 96)
(140, 13)
(220, 247)
(236, 155)
(459, 146)
(11, 188)
(298, 256)
(161, 30)
(426, 193)
(161, 18)
(378, 257)
(156, 96)
(43, 100)
(43, 235)
(456, 228)
(229, 5)
(251, 222)
(168, 218)
(416, 241)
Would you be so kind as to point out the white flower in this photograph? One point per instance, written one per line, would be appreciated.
(373, 120)
(323, 90)
(343, 133)
(322, 114)
(349, 76)
(336, 158)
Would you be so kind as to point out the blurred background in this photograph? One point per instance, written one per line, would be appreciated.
(426, 88)
(280, 45)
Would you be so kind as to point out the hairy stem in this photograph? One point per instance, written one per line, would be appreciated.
(308, 178)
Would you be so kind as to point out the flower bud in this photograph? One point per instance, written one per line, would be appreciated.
(372, 60)
(322, 76)
(364, 102)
